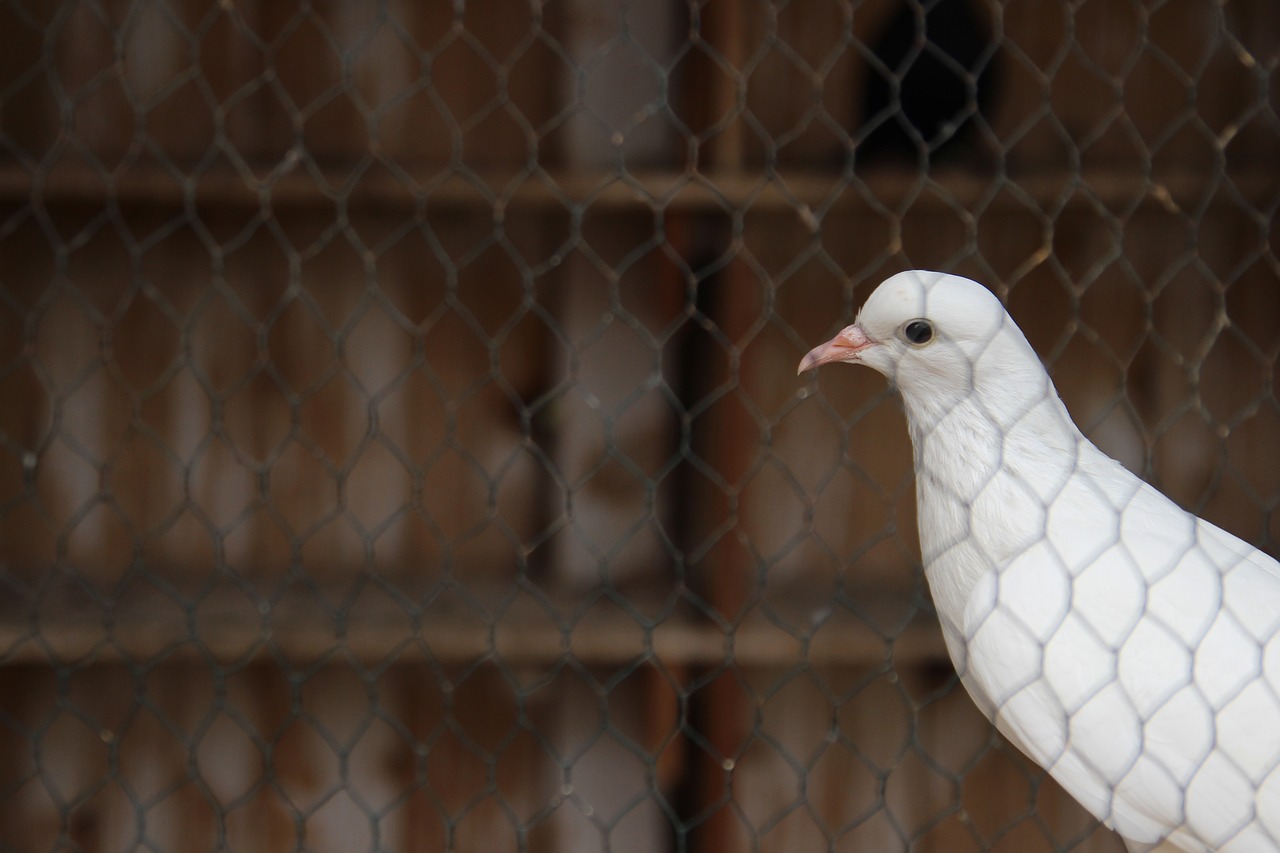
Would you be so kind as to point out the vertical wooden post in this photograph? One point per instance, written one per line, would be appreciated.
(729, 443)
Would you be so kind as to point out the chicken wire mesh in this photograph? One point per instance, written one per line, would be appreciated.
(400, 446)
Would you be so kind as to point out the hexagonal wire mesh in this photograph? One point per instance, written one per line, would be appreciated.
(399, 441)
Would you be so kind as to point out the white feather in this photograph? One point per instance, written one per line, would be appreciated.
(1130, 648)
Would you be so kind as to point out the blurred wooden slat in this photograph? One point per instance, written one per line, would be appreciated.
(261, 757)
(181, 409)
(615, 428)
(234, 629)
(344, 83)
(711, 192)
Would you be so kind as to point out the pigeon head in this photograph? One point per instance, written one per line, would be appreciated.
(941, 340)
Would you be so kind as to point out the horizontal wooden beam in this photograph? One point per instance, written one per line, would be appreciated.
(809, 194)
(601, 634)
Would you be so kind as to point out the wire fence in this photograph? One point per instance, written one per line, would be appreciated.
(400, 447)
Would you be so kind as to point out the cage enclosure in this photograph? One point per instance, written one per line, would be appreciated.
(400, 446)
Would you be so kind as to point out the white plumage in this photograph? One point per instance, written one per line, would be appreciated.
(1128, 647)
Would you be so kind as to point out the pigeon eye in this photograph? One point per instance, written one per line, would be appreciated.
(918, 332)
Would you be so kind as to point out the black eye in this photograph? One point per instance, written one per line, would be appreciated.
(918, 332)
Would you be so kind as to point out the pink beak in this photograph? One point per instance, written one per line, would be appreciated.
(843, 347)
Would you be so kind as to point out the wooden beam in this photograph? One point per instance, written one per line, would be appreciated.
(298, 631)
(711, 192)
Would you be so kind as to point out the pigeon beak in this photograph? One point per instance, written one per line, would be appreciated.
(845, 346)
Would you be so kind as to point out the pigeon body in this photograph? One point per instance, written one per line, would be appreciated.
(1125, 645)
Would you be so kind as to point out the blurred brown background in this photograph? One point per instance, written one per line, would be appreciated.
(400, 447)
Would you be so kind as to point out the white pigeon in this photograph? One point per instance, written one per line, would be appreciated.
(1128, 647)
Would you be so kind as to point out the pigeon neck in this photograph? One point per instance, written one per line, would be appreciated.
(999, 395)
(987, 466)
